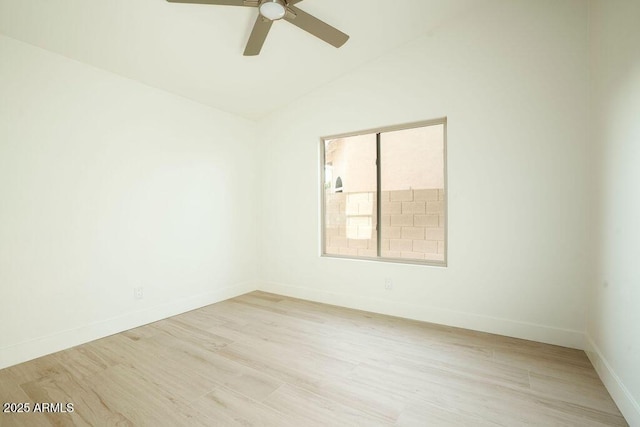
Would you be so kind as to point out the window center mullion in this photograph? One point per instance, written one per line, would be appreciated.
(378, 196)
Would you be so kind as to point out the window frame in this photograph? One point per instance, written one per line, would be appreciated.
(377, 131)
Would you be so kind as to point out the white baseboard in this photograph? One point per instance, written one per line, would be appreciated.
(41, 346)
(629, 407)
(476, 322)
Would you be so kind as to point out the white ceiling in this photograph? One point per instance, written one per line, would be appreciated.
(196, 50)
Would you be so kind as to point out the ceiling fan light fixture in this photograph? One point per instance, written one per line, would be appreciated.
(273, 9)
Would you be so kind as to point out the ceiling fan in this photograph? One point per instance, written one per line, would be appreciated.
(274, 10)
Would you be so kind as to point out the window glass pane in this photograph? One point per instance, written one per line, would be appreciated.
(350, 196)
(412, 185)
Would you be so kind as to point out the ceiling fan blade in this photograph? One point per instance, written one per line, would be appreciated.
(316, 27)
(258, 36)
(220, 2)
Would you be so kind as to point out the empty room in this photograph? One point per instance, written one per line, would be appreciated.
(319, 213)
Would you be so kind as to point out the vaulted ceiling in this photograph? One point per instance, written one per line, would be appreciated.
(196, 50)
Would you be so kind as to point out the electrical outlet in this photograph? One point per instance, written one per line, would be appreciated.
(388, 284)
(138, 292)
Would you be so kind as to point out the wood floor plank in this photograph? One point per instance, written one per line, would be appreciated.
(575, 392)
(423, 414)
(65, 391)
(379, 402)
(312, 409)
(227, 404)
(269, 360)
(203, 369)
(142, 399)
(578, 415)
(11, 392)
(37, 369)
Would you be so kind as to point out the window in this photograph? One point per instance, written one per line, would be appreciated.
(384, 194)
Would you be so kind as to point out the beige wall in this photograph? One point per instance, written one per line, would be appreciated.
(413, 158)
(353, 159)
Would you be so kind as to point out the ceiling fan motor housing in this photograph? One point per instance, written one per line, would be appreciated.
(273, 9)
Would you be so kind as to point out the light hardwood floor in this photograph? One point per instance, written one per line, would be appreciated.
(264, 359)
